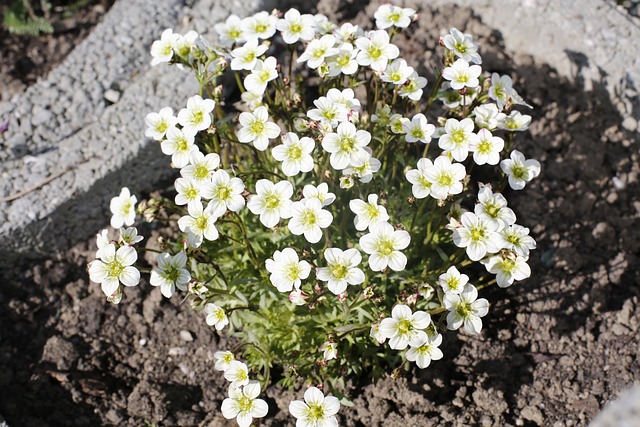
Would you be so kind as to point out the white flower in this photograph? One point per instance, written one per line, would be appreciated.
(345, 97)
(245, 57)
(462, 46)
(500, 89)
(412, 88)
(344, 61)
(102, 240)
(461, 74)
(365, 171)
(397, 123)
(271, 201)
(295, 154)
(515, 122)
(519, 169)
(507, 268)
(316, 410)
(486, 148)
(129, 236)
(383, 244)
(216, 316)
(478, 235)
(200, 168)
(376, 334)
(404, 328)
(341, 270)
(115, 267)
(123, 209)
(346, 182)
(397, 72)
(517, 239)
(261, 25)
(185, 43)
(492, 207)
(321, 192)
(316, 52)
(445, 178)
(388, 15)
(230, 31)
(488, 116)
(418, 129)
(465, 309)
(453, 98)
(252, 99)
(244, 405)
(223, 360)
(287, 271)
(257, 129)
(199, 224)
(418, 177)
(188, 191)
(237, 373)
(453, 281)
(170, 273)
(296, 27)
(425, 350)
(375, 50)
(162, 50)
(458, 137)
(308, 218)
(382, 116)
(368, 213)
(328, 112)
(324, 26)
(197, 115)
(180, 144)
(347, 32)
(261, 75)
(329, 350)
(225, 193)
(158, 123)
(347, 146)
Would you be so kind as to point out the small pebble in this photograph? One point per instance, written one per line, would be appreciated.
(186, 336)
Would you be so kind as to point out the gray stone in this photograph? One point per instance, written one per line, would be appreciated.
(112, 95)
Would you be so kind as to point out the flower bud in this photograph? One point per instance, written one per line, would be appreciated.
(297, 297)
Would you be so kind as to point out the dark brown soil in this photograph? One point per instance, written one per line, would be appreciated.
(554, 350)
(23, 59)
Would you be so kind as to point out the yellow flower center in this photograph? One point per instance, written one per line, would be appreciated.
(445, 179)
(404, 326)
(385, 247)
(458, 136)
(201, 172)
(293, 272)
(484, 147)
(477, 234)
(257, 127)
(272, 201)
(347, 144)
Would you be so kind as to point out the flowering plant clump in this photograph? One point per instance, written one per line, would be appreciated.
(329, 215)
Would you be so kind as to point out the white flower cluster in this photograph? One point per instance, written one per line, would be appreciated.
(489, 234)
(243, 404)
(305, 145)
(406, 329)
